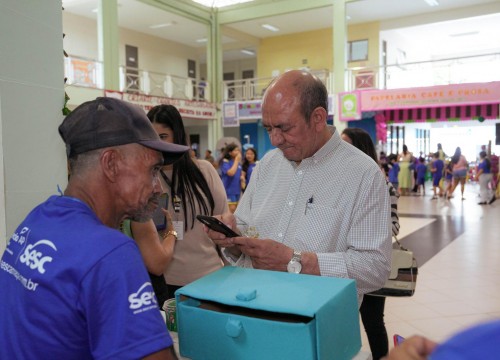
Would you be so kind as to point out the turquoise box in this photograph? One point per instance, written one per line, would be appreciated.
(237, 313)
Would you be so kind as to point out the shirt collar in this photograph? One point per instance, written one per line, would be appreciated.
(326, 149)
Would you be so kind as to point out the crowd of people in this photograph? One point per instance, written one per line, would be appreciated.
(409, 173)
(74, 275)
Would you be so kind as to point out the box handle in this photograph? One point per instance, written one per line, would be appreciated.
(247, 294)
(233, 328)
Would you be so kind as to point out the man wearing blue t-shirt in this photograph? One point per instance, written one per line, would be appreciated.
(73, 286)
(393, 170)
(437, 167)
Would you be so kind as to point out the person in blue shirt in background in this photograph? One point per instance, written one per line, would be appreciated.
(231, 174)
(393, 170)
(421, 170)
(480, 341)
(484, 177)
(437, 167)
(248, 165)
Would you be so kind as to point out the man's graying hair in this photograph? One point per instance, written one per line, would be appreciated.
(313, 94)
(80, 163)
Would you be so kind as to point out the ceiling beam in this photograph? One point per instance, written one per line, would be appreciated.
(240, 36)
(182, 9)
(252, 11)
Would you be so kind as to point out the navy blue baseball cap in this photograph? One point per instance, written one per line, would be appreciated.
(106, 122)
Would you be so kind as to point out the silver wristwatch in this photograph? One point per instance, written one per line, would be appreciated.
(295, 265)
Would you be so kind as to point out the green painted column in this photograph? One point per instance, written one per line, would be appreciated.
(109, 42)
(339, 55)
(214, 74)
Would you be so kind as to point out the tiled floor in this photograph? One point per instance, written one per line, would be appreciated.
(457, 245)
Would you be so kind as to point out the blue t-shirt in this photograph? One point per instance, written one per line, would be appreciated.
(485, 166)
(232, 184)
(421, 170)
(479, 342)
(393, 173)
(73, 288)
(438, 165)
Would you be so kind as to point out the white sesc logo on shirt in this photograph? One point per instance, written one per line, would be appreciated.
(34, 257)
(144, 299)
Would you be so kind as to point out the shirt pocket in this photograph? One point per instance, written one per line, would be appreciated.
(320, 228)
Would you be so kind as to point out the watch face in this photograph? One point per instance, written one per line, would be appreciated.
(294, 267)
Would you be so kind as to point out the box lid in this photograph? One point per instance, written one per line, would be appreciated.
(273, 291)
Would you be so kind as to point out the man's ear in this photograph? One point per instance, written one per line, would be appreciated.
(318, 118)
(110, 164)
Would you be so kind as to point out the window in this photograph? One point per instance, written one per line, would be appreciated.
(357, 50)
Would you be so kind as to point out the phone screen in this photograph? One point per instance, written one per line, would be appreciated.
(217, 225)
(158, 216)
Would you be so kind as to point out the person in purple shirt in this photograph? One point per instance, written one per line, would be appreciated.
(481, 341)
(437, 167)
(393, 170)
(421, 170)
(231, 174)
(484, 177)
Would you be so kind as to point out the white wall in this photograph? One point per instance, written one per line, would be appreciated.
(81, 36)
(238, 66)
(155, 54)
(31, 99)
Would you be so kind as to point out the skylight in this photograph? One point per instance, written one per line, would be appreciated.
(220, 3)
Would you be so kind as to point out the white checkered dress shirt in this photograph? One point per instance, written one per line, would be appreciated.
(348, 223)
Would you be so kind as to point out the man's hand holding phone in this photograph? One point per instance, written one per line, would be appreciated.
(220, 228)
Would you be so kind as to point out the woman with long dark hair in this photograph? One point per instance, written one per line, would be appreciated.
(230, 168)
(372, 307)
(194, 187)
(247, 167)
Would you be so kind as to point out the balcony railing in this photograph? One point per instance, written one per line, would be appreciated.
(140, 81)
(467, 69)
(253, 89)
(89, 73)
(83, 72)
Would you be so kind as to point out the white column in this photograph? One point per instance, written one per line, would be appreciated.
(339, 56)
(32, 154)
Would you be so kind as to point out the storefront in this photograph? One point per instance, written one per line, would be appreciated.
(398, 116)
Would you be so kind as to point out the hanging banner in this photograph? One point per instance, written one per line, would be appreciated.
(187, 108)
(250, 109)
(230, 115)
(433, 96)
(349, 106)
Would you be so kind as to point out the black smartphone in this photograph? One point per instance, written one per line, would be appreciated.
(158, 215)
(216, 225)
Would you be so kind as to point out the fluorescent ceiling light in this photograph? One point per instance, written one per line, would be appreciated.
(202, 40)
(270, 27)
(432, 2)
(159, 26)
(220, 3)
(248, 52)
